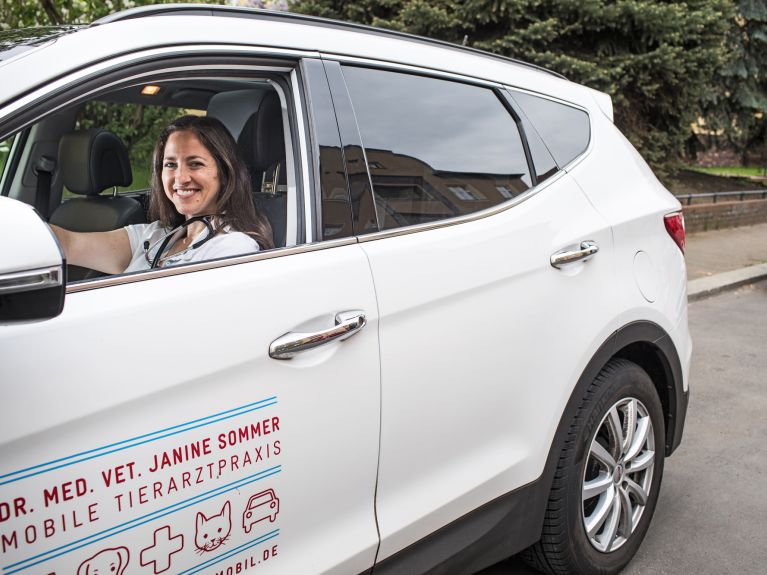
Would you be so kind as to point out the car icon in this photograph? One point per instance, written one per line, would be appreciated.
(260, 506)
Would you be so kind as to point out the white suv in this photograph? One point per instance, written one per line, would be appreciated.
(469, 340)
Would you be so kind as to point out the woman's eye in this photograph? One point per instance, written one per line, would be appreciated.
(169, 165)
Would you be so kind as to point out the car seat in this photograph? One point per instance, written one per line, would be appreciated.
(92, 161)
(262, 146)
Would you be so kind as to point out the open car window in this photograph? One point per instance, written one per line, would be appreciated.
(88, 166)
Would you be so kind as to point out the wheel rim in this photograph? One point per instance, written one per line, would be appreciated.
(618, 475)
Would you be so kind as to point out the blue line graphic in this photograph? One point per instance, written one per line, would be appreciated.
(134, 441)
(231, 552)
(100, 536)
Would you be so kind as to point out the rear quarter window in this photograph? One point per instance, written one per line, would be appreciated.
(565, 130)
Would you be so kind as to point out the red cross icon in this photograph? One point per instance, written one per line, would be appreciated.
(162, 549)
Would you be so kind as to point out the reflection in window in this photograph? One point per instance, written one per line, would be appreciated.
(452, 150)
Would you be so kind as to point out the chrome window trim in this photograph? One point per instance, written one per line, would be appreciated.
(11, 153)
(304, 154)
(206, 265)
(291, 224)
(474, 216)
(124, 60)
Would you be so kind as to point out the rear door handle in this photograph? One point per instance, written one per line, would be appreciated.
(588, 249)
(347, 323)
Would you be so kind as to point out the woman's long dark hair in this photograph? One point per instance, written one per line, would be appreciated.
(234, 204)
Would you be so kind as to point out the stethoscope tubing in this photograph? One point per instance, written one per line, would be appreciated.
(165, 240)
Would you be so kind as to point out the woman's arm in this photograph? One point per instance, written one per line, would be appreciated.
(107, 252)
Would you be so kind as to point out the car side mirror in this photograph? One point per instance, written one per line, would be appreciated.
(32, 268)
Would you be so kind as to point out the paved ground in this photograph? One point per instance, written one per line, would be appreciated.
(712, 514)
(709, 253)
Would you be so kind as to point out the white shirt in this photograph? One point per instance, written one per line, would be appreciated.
(223, 244)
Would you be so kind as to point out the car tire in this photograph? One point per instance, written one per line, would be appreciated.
(607, 479)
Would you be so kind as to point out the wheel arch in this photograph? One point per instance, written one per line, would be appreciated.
(649, 346)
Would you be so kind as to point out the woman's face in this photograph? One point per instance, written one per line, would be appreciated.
(189, 175)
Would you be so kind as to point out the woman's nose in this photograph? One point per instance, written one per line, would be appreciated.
(182, 174)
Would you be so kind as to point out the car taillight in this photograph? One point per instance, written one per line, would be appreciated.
(675, 228)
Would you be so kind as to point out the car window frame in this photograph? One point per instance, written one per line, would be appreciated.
(498, 88)
(81, 85)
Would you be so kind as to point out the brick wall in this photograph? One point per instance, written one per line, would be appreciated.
(703, 217)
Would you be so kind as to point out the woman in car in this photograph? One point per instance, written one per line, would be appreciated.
(201, 207)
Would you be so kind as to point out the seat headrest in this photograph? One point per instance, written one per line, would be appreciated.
(262, 141)
(93, 160)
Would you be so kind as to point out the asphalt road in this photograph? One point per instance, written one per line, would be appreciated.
(712, 512)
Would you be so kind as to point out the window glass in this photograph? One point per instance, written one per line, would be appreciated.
(435, 149)
(564, 129)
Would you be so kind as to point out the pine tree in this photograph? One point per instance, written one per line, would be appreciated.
(738, 104)
(655, 58)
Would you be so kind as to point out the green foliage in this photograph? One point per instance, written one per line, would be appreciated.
(737, 104)
(655, 58)
(137, 125)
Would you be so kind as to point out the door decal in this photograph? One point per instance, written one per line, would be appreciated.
(146, 497)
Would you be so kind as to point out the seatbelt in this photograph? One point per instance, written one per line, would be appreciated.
(44, 171)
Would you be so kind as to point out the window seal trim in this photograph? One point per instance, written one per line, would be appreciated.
(144, 275)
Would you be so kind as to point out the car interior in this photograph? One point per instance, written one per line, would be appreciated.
(87, 166)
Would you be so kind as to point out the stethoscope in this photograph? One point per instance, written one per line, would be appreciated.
(166, 239)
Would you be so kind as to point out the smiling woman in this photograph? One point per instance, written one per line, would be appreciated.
(201, 207)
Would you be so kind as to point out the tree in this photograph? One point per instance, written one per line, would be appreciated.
(655, 58)
(738, 108)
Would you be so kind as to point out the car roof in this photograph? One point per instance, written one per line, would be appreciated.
(149, 28)
(255, 13)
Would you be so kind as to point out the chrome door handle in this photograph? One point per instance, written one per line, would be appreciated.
(588, 249)
(347, 324)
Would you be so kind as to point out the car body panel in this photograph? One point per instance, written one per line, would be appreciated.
(135, 371)
(478, 291)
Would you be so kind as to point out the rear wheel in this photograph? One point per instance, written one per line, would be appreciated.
(607, 479)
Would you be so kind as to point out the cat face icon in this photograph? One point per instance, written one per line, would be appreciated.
(212, 532)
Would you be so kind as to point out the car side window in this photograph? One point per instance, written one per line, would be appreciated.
(565, 129)
(435, 148)
(87, 168)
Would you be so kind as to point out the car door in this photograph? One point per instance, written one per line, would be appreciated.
(139, 427)
(482, 338)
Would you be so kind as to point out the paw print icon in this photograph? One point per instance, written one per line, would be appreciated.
(260, 506)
